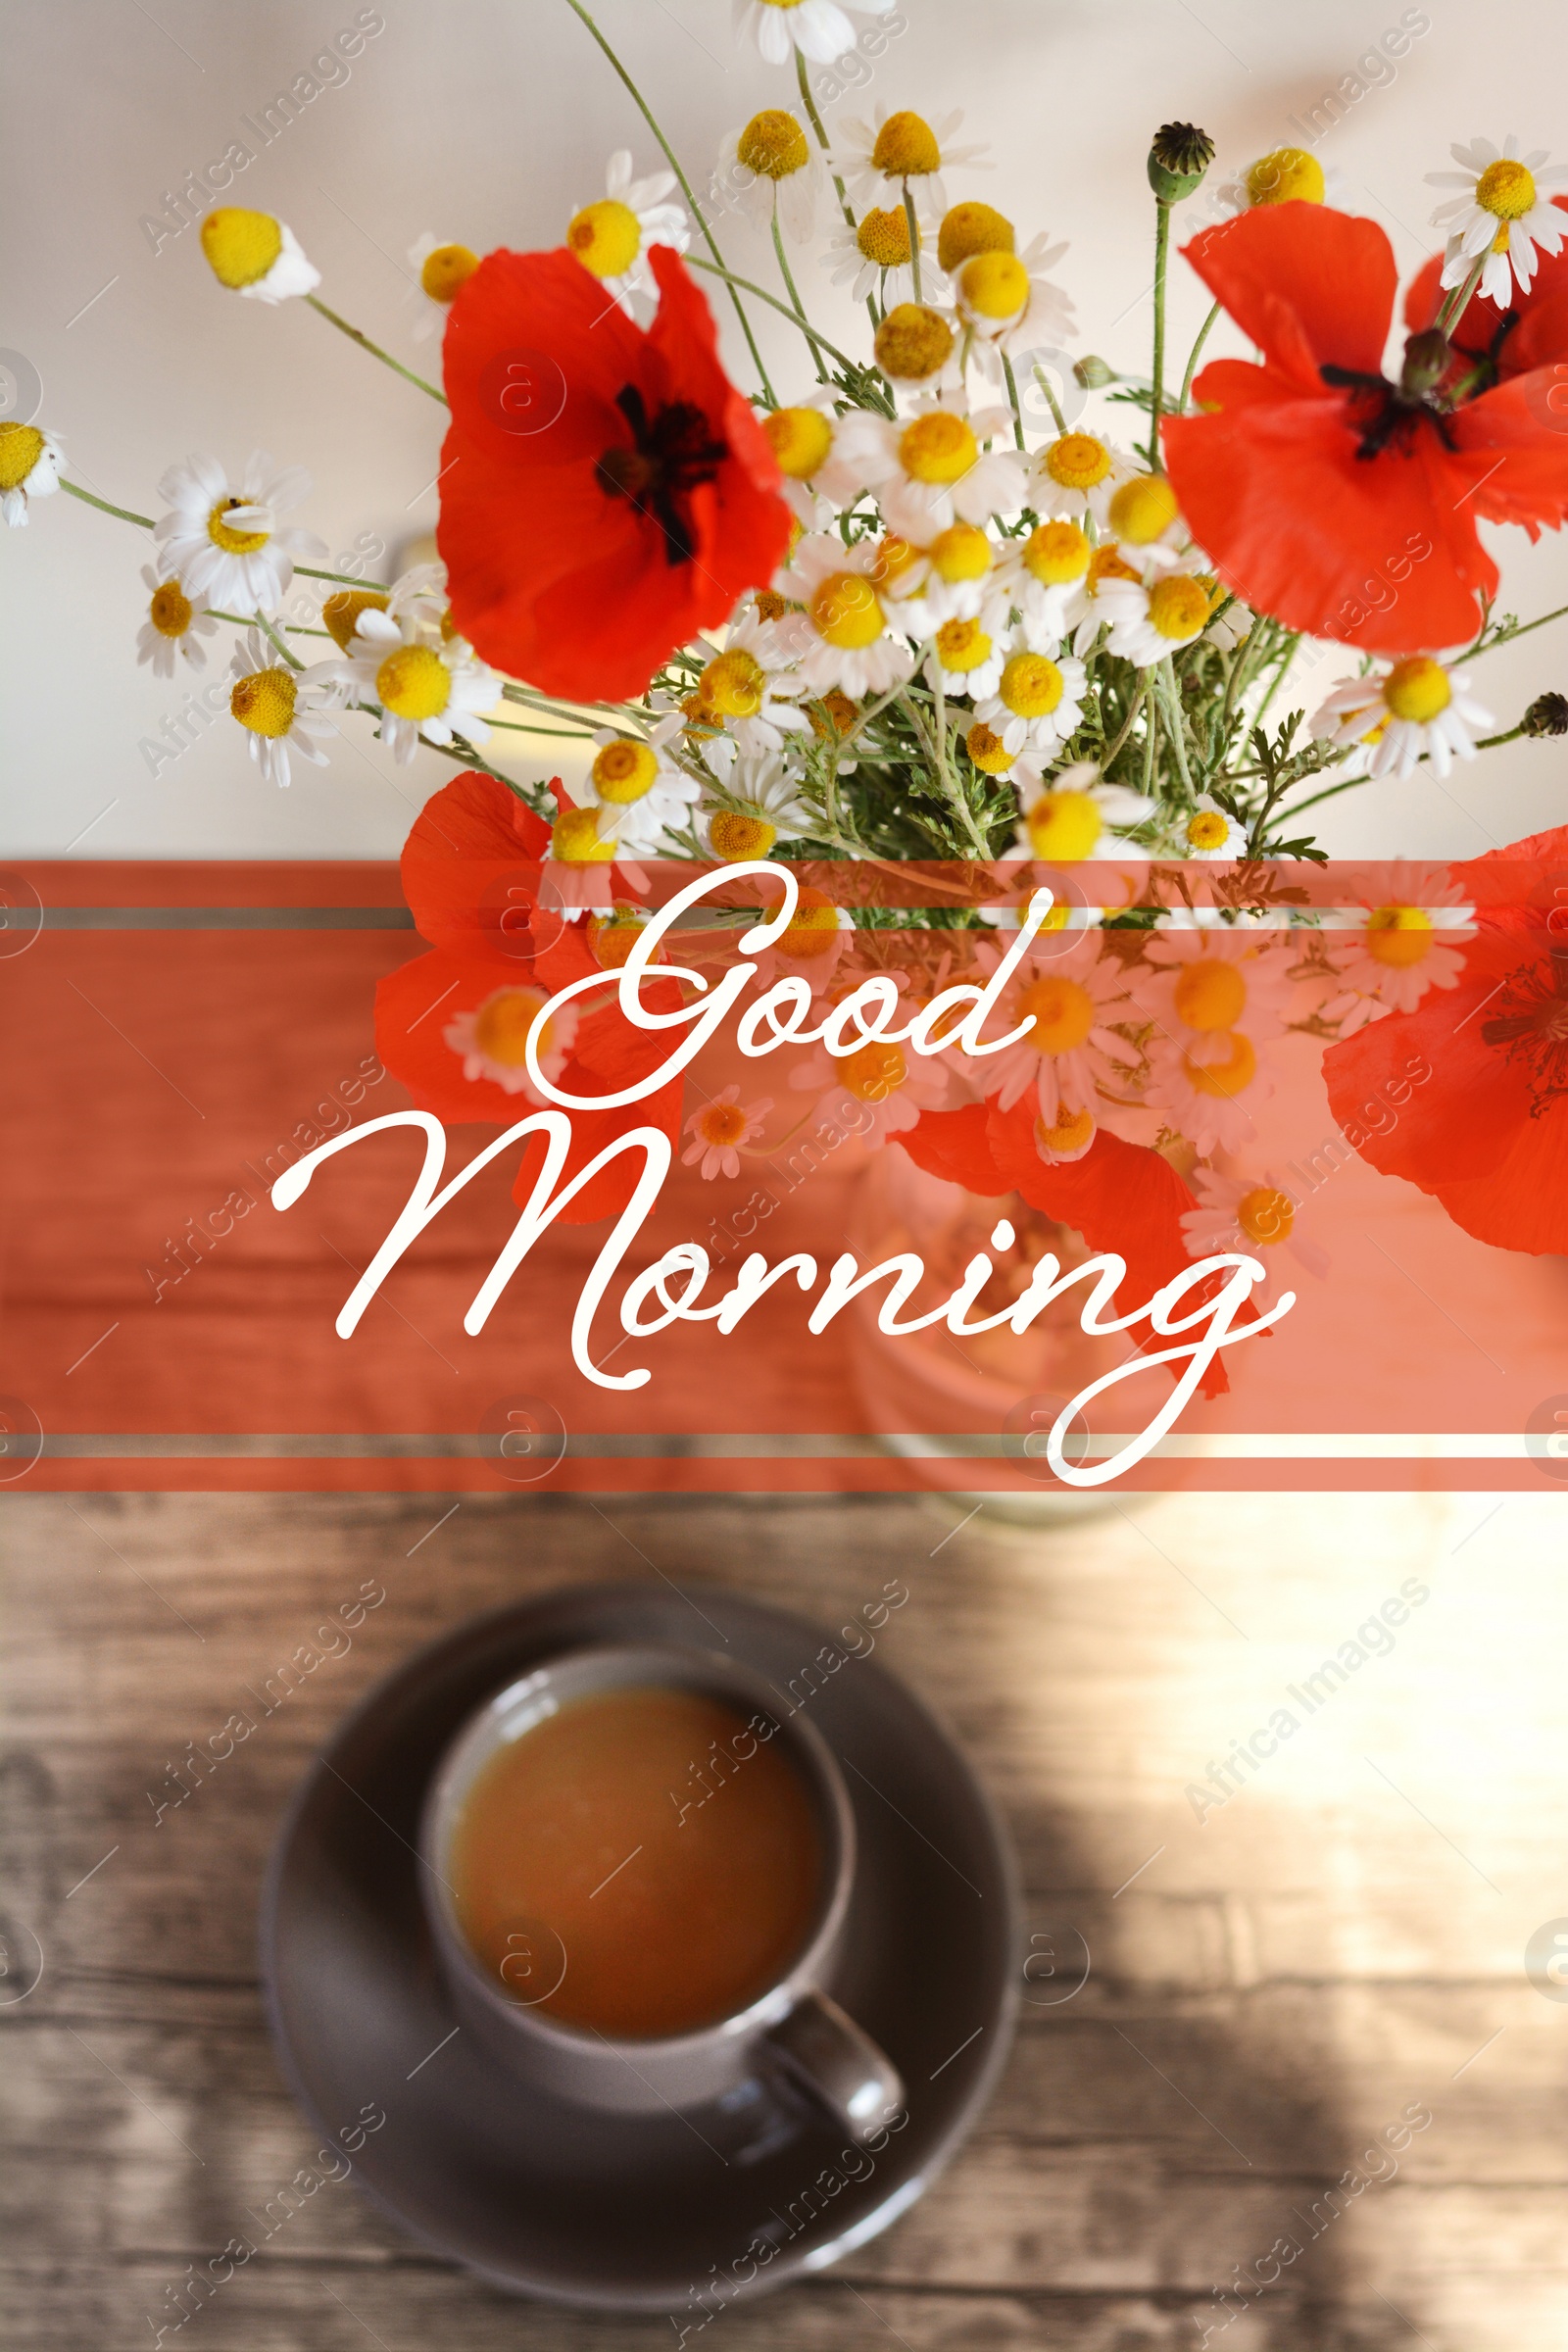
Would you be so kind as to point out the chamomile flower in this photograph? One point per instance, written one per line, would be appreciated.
(1150, 619)
(444, 269)
(818, 480)
(1075, 815)
(1216, 995)
(1037, 701)
(577, 871)
(877, 1090)
(1068, 1137)
(1044, 574)
(254, 254)
(1416, 708)
(1499, 214)
(281, 710)
(430, 687)
(957, 578)
(639, 793)
(748, 691)
(419, 594)
(29, 467)
(892, 153)
(818, 28)
(493, 1039)
(719, 1129)
(1250, 1217)
(929, 470)
(1067, 1052)
(1401, 944)
(872, 257)
(773, 169)
(1083, 611)
(840, 636)
(964, 659)
(809, 948)
(1286, 175)
(223, 541)
(761, 806)
(175, 623)
(1144, 519)
(1208, 1087)
(612, 238)
(1232, 624)
(1006, 303)
(1076, 474)
(1207, 834)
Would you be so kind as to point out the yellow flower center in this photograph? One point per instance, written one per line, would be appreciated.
(170, 610)
(1142, 509)
(1286, 175)
(770, 606)
(574, 838)
(21, 448)
(906, 147)
(987, 749)
(1265, 1215)
(1206, 829)
(614, 935)
(1031, 685)
(732, 686)
(774, 143)
(1073, 1130)
(971, 228)
(735, 837)
(341, 613)
(911, 343)
(833, 711)
(846, 612)
(816, 926)
(961, 552)
(962, 645)
(624, 771)
(1399, 936)
(232, 542)
(994, 285)
(607, 237)
(240, 246)
(1505, 189)
(874, 1072)
(800, 439)
(414, 683)
(722, 1124)
(505, 1022)
(264, 701)
(938, 446)
(1177, 607)
(884, 239)
(1055, 553)
(1064, 827)
(1417, 689)
(892, 558)
(1223, 1079)
(445, 270)
(1211, 994)
(1060, 1014)
(1077, 461)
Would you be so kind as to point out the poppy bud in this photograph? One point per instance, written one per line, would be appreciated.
(1179, 157)
(1093, 373)
(1548, 714)
(1426, 362)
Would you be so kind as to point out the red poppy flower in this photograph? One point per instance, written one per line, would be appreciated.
(1486, 1130)
(606, 493)
(1121, 1196)
(472, 866)
(1316, 475)
(1491, 345)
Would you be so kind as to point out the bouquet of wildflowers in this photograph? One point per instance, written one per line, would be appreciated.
(947, 596)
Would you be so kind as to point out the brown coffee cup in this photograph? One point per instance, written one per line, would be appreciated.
(791, 2025)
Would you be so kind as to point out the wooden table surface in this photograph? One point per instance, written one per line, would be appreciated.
(1271, 1987)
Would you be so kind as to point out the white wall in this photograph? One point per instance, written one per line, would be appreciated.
(488, 122)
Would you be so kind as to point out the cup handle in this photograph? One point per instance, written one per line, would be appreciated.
(823, 2049)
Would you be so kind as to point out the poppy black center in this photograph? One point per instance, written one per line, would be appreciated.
(670, 454)
(1382, 414)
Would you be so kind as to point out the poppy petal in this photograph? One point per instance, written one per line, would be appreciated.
(470, 867)
(1330, 274)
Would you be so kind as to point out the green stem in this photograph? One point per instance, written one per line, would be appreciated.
(1157, 397)
(268, 631)
(914, 240)
(356, 335)
(815, 120)
(794, 293)
(714, 269)
(122, 513)
(1503, 636)
(1193, 359)
(1012, 395)
(1126, 730)
(1458, 299)
(1165, 680)
(1043, 381)
(673, 160)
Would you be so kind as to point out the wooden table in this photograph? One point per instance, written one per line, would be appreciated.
(1270, 1986)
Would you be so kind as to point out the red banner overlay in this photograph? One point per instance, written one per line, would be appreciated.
(177, 1036)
